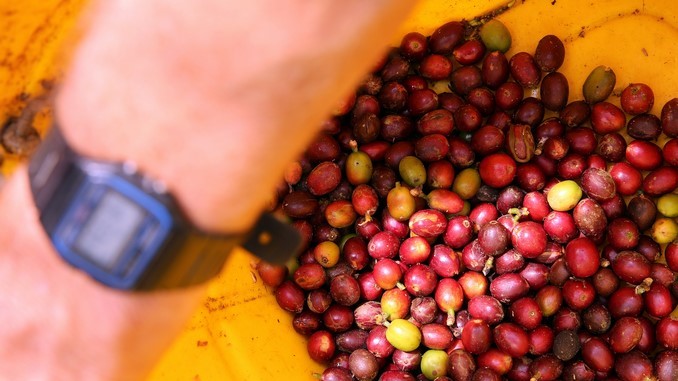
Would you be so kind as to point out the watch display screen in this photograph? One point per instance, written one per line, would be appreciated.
(109, 228)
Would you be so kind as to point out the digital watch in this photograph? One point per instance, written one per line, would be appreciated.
(126, 231)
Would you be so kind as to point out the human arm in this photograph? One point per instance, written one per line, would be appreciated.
(202, 97)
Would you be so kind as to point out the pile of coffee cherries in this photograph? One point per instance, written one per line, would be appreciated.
(466, 219)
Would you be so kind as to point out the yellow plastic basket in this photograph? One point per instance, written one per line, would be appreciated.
(239, 333)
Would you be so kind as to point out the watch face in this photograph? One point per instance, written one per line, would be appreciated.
(113, 230)
(110, 228)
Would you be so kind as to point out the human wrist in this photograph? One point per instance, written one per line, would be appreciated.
(63, 325)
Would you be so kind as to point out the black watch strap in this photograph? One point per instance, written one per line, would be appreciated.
(190, 256)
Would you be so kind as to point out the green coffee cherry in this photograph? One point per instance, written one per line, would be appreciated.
(668, 205)
(564, 196)
(495, 36)
(599, 84)
(358, 168)
(434, 364)
(664, 230)
(412, 171)
(403, 335)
